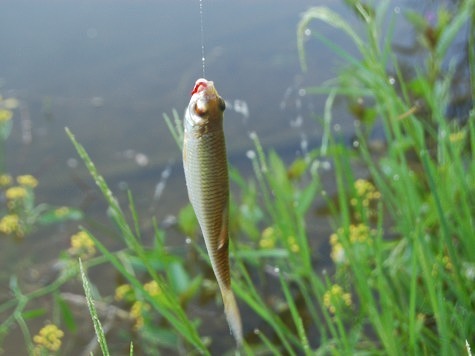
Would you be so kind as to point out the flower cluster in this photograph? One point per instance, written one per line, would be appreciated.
(152, 288)
(6, 109)
(137, 311)
(27, 180)
(62, 211)
(336, 299)
(268, 238)
(358, 235)
(293, 244)
(366, 195)
(10, 225)
(5, 180)
(5, 115)
(457, 136)
(124, 292)
(48, 338)
(82, 245)
(270, 235)
(139, 308)
(19, 202)
(442, 263)
(14, 194)
(366, 191)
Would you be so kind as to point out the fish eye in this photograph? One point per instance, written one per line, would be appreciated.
(222, 104)
(201, 108)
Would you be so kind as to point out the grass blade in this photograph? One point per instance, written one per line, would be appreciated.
(101, 338)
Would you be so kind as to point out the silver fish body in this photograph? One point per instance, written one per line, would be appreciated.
(206, 174)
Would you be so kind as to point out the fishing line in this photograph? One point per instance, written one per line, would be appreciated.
(202, 38)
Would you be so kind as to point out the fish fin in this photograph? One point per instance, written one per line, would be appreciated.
(223, 233)
(232, 315)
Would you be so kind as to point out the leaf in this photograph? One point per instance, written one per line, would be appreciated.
(58, 215)
(255, 255)
(66, 313)
(417, 20)
(178, 277)
(297, 168)
(329, 17)
(175, 127)
(187, 221)
(35, 313)
(5, 129)
(307, 196)
(451, 30)
(278, 176)
(192, 289)
(299, 325)
(101, 338)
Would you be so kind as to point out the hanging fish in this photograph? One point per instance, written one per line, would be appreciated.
(206, 174)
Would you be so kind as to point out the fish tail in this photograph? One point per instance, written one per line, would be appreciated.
(232, 314)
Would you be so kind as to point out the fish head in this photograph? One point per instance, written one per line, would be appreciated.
(206, 107)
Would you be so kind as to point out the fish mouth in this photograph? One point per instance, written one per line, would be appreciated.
(206, 106)
(204, 86)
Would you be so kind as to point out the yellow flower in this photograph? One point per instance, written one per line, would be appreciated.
(335, 299)
(366, 192)
(10, 224)
(5, 179)
(365, 188)
(442, 263)
(156, 292)
(268, 238)
(137, 311)
(15, 193)
(5, 115)
(27, 180)
(447, 263)
(293, 245)
(359, 234)
(61, 211)
(338, 253)
(457, 136)
(82, 245)
(152, 288)
(49, 337)
(122, 291)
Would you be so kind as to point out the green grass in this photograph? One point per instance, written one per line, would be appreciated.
(402, 275)
(99, 330)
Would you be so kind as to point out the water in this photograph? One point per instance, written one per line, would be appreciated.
(108, 73)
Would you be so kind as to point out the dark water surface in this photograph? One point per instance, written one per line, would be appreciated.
(109, 69)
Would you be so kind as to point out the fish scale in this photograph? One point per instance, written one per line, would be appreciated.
(206, 174)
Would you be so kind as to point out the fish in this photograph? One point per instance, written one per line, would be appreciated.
(206, 175)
